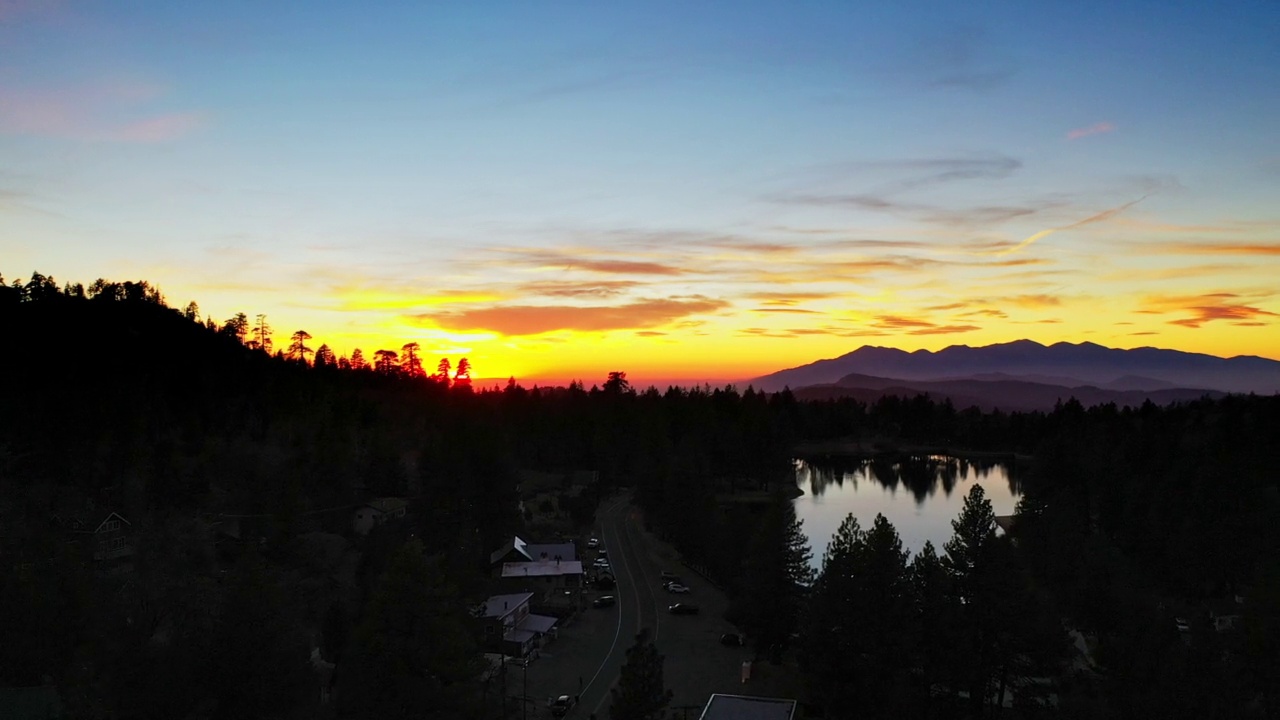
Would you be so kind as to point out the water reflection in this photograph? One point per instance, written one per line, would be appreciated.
(920, 475)
(919, 494)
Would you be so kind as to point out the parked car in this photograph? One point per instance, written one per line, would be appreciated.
(593, 543)
(604, 601)
(666, 583)
(669, 575)
(734, 639)
(677, 588)
(1182, 624)
(683, 609)
(562, 705)
(604, 553)
(601, 562)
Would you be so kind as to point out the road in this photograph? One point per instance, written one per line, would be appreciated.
(589, 654)
(637, 605)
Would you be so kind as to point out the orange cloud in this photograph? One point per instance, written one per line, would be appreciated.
(1094, 129)
(567, 288)
(1032, 301)
(515, 320)
(626, 267)
(897, 322)
(1262, 249)
(1208, 308)
(944, 330)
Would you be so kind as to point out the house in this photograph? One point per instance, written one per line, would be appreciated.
(556, 585)
(509, 628)
(376, 512)
(516, 550)
(104, 534)
(742, 707)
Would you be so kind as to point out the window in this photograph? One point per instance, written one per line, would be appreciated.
(111, 525)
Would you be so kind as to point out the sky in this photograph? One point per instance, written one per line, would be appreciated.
(682, 191)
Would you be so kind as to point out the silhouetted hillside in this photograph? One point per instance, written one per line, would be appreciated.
(988, 395)
(1091, 364)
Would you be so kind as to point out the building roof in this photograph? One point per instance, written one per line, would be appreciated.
(387, 504)
(515, 543)
(742, 707)
(537, 623)
(547, 568)
(502, 605)
(551, 551)
(534, 552)
(1005, 522)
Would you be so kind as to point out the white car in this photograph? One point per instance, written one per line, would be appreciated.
(593, 543)
(677, 588)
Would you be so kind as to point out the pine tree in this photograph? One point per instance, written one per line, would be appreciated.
(325, 357)
(641, 693)
(385, 363)
(442, 371)
(410, 363)
(298, 349)
(413, 654)
(357, 360)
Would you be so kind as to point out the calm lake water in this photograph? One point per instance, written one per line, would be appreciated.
(919, 495)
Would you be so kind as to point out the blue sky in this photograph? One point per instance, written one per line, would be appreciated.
(658, 183)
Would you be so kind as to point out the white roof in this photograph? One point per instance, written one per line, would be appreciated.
(502, 605)
(545, 568)
(742, 707)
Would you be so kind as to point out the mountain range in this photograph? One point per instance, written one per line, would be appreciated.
(1026, 375)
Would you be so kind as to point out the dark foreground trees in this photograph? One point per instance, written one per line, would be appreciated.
(950, 635)
(412, 656)
(641, 693)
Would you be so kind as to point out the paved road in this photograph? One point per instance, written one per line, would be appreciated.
(592, 650)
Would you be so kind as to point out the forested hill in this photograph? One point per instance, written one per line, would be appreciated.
(114, 400)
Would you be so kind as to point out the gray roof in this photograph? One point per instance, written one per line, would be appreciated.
(565, 551)
(537, 623)
(541, 569)
(742, 707)
(531, 552)
(503, 605)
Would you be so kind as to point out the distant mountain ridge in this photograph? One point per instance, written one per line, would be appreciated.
(1061, 364)
(1008, 395)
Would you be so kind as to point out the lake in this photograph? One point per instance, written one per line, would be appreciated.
(920, 495)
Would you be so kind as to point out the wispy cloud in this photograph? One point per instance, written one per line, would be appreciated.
(104, 111)
(1100, 217)
(516, 320)
(1209, 248)
(567, 288)
(1094, 129)
(1230, 307)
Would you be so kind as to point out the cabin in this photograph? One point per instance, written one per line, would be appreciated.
(377, 512)
(509, 628)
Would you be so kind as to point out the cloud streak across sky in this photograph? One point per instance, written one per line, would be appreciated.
(663, 190)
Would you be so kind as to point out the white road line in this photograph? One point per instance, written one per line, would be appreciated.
(632, 531)
(618, 629)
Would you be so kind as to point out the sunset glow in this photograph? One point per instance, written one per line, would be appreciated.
(700, 192)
